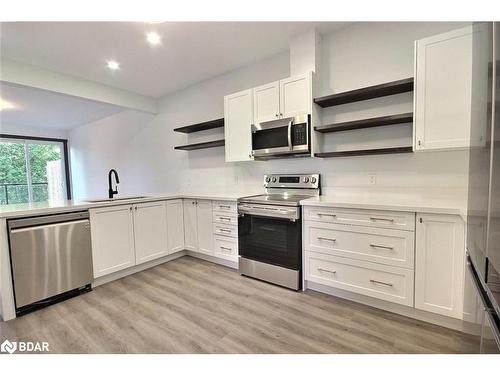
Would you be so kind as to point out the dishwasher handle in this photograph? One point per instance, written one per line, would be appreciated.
(47, 219)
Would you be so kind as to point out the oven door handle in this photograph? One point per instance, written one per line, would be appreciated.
(290, 123)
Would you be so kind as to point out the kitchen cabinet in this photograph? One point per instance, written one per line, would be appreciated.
(238, 120)
(296, 96)
(286, 98)
(198, 233)
(266, 102)
(150, 231)
(190, 225)
(443, 76)
(175, 226)
(204, 224)
(112, 231)
(439, 264)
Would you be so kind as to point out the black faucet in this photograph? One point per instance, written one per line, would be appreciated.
(112, 192)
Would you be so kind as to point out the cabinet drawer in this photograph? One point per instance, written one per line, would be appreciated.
(226, 247)
(370, 218)
(223, 218)
(226, 230)
(388, 283)
(385, 246)
(224, 206)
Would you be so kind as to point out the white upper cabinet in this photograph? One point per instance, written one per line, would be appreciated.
(150, 231)
(238, 120)
(443, 79)
(439, 264)
(190, 225)
(175, 226)
(204, 224)
(295, 96)
(266, 101)
(288, 97)
(112, 230)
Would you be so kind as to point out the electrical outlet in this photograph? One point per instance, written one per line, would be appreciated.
(372, 179)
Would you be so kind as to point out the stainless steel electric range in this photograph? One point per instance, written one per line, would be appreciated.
(270, 229)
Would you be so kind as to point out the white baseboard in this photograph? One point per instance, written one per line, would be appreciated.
(209, 258)
(141, 267)
(411, 312)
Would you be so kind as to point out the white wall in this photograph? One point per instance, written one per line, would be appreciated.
(141, 147)
(33, 131)
(108, 143)
(356, 56)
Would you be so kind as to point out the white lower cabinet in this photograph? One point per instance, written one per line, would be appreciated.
(150, 231)
(198, 234)
(112, 230)
(190, 225)
(439, 264)
(226, 247)
(394, 284)
(175, 226)
(368, 252)
(204, 219)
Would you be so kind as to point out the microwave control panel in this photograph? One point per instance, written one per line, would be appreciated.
(300, 134)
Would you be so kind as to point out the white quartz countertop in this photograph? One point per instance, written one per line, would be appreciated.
(423, 201)
(42, 208)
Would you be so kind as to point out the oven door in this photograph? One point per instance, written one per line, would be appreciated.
(281, 137)
(270, 240)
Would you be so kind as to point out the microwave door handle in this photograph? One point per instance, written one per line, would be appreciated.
(290, 123)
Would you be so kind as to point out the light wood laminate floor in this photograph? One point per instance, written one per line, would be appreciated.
(193, 306)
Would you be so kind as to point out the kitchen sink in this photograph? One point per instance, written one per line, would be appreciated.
(115, 199)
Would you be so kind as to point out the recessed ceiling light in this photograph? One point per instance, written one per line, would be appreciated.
(153, 38)
(4, 104)
(113, 65)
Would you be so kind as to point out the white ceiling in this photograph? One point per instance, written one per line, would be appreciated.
(45, 109)
(190, 51)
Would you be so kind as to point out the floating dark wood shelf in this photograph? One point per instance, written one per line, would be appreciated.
(384, 89)
(198, 146)
(366, 123)
(373, 151)
(212, 124)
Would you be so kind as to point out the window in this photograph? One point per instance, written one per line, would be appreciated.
(33, 169)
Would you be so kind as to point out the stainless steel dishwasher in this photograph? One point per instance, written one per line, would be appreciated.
(51, 258)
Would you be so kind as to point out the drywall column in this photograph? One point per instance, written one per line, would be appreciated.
(305, 53)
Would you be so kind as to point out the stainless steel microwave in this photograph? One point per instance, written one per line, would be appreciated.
(282, 138)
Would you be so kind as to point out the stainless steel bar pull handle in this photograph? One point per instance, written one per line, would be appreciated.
(325, 270)
(225, 248)
(326, 239)
(381, 282)
(325, 214)
(225, 218)
(221, 206)
(382, 246)
(225, 230)
(290, 145)
(382, 219)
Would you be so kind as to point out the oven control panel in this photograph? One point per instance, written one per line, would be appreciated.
(299, 181)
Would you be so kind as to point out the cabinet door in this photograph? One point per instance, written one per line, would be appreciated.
(175, 226)
(295, 96)
(238, 120)
(443, 91)
(266, 102)
(190, 225)
(150, 231)
(204, 224)
(112, 232)
(439, 264)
